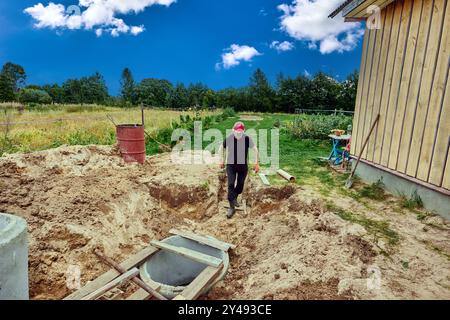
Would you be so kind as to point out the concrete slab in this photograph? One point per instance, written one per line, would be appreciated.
(13, 258)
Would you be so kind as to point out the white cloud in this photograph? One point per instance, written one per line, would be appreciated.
(100, 15)
(51, 16)
(307, 20)
(137, 30)
(235, 54)
(306, 73)
(282, 46)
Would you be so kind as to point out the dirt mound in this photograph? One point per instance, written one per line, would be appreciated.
(289, 245)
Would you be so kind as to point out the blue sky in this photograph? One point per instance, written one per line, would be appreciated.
(182, 40)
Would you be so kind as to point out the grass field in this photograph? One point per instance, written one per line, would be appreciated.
(72, 125)
(50, 127)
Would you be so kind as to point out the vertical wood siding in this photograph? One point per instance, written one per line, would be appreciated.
(404, 77)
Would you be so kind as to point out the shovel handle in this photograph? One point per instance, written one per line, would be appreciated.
(364, 146)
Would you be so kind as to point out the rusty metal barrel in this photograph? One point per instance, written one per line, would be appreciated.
(131, 139)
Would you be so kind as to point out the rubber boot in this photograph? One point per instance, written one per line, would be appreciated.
(231, 211)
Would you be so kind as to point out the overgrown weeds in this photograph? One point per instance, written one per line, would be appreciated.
(374, 191)
(411, 203)
(374, 227)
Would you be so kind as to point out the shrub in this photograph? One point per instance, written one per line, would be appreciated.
(34, 96)
(318, 126)
(414, 202)
(228, 113)
(374, 191)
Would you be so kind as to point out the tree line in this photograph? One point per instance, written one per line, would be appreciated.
(319, 92)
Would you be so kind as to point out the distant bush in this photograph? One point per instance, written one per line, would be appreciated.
(34, 96)
(228, 113)
(318, 126)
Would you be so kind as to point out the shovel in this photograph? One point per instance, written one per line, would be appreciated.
(349, 182)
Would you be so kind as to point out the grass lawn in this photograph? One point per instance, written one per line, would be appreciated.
(297, 156)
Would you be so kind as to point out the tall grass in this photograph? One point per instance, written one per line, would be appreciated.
(32, 130)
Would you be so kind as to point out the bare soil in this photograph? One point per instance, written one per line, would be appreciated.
(289, 245)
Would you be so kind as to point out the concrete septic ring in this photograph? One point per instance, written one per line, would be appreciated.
(173, 272)
(13, 258)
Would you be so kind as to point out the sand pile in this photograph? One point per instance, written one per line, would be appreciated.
(289, 246)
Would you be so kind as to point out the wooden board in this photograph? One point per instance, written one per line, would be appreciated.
(386, 113)
(115, 283)
(436, 105)
(361, 10)
(379, 129)
(209, 241)
(362, 126)
(142, 294)
(375, 84)
(399, 64)
(139, 295)
(414, 86)
(446, 178)
(425, 87)
(264, 179)
(439, 169)
(359, 91)
(110, 275)
(191, 254)
(404, 82)
(195, 288)
(368, 102)
(404, 74)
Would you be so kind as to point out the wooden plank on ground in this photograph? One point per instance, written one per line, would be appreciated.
(209, 241)
(142, 294)
(264, 179)
(195, 288)
(115, 283)
(188, 253)
(110, 275)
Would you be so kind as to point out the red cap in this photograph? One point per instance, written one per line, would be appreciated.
(239, 126)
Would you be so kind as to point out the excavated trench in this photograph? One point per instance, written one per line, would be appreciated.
(288, 244)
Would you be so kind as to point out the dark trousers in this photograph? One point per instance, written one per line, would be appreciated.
(236, 178)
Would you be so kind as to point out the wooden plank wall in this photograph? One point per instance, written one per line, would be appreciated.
(404, 76)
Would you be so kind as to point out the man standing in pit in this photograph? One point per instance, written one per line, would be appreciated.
(237, 146)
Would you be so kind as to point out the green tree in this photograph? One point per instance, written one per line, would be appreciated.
(261, 93)
(29, 95)
(127, 84)
(196, 94)
(85, 90)
(180, 97)
(347, 93)
(55, 91)
(12, 78)
(154, 92)
(324, 91)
